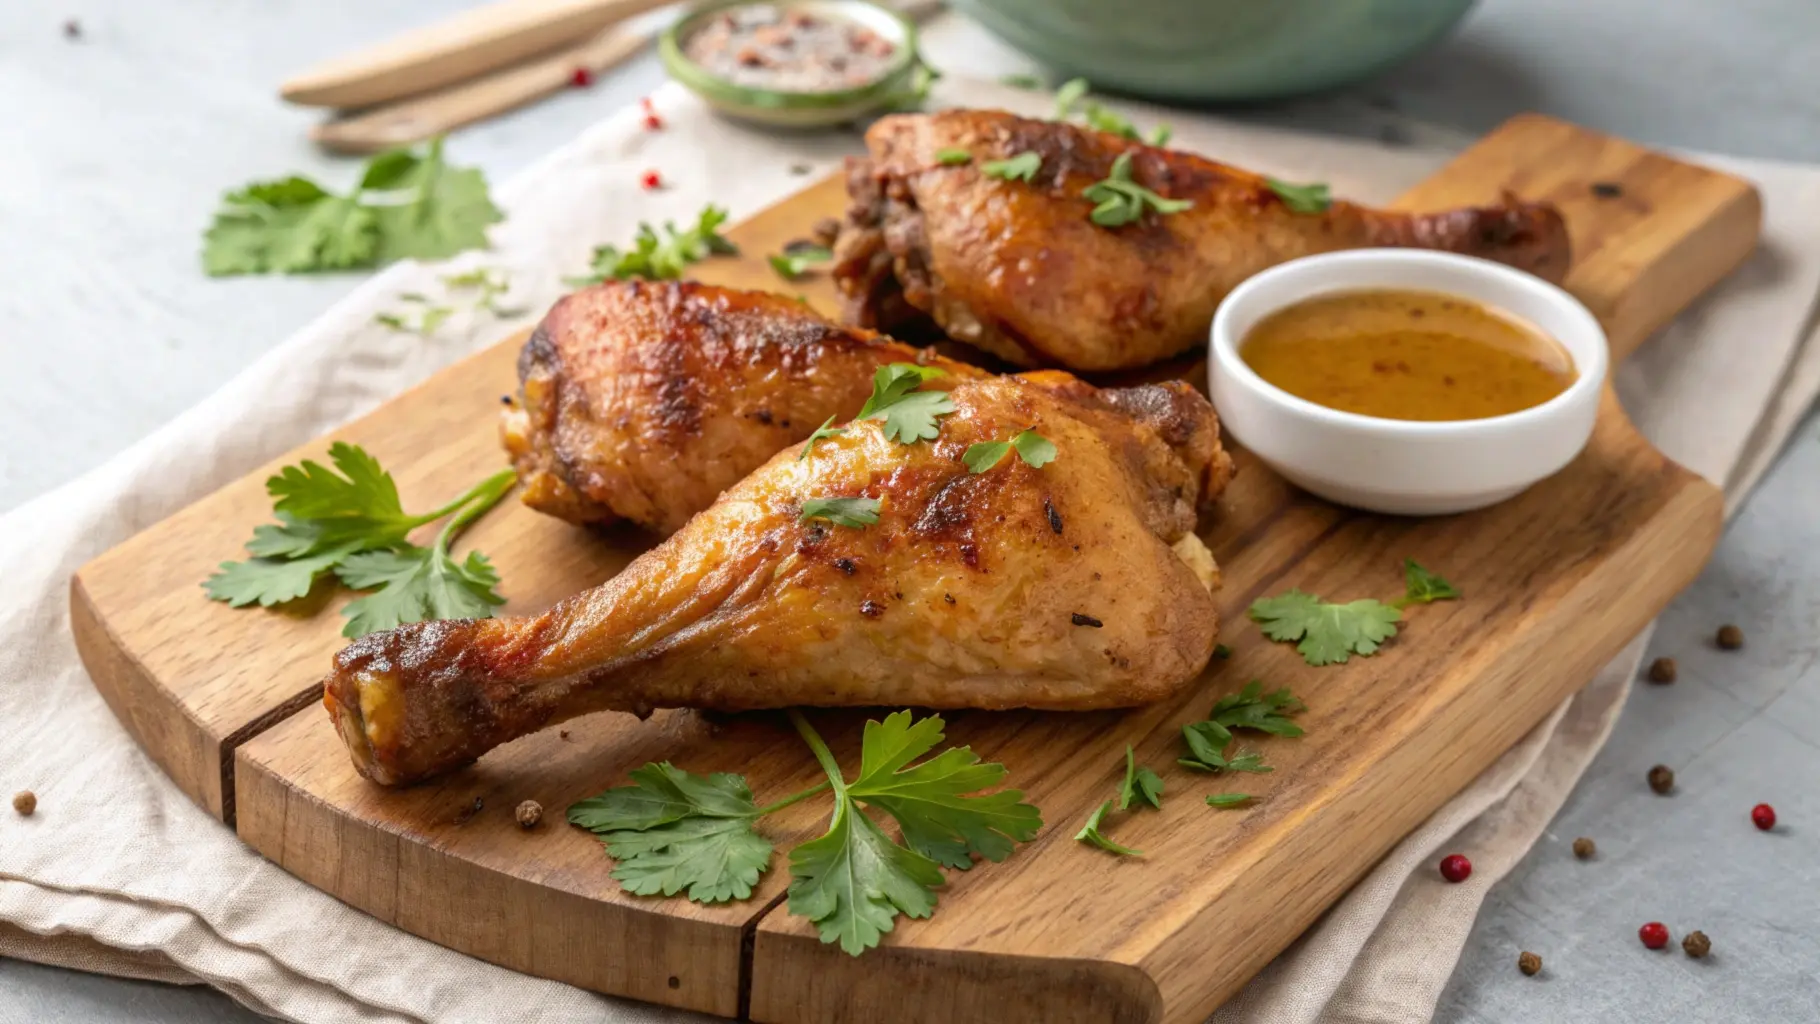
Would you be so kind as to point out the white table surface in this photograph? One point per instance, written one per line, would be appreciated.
(118, 144)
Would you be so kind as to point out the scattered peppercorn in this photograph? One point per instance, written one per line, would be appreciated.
(1662, 670)
(72, 29)
(1763, 816)
(800, 168)
(1529, 964)
(1696, 944)
(581, 78)
(1584, 848)
(25, 802)
(1661, 778)
(529, 814)
(1654, 934)
(651, 181)
(1456, 868)
(1730, 637)
(654, 123)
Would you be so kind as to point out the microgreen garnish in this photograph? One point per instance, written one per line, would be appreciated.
(1227, 799)
(825, 430)
(1068, 95)
(1122, 201)
(1035, 449)
(953, 156)
(850, 512)
(1100, 117)
(664, 257)
(1021, 167)
(1310, 198)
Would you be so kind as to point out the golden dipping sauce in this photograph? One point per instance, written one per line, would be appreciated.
(1407, 355)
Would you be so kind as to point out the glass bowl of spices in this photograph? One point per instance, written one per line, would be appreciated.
(800, 64)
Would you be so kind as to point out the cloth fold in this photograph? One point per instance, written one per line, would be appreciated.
(119, 872)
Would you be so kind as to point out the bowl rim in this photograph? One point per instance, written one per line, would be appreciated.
(1223, 345)
(714, 87)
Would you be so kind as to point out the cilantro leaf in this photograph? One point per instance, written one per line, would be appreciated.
(952, 156)
(1309, 198)
(930, 801)
(849, 512)
(414, 585)
(1227, 799)
(909, 415)
(1140, 783)
(1326, 633)
(443, 210)
(1252, 708)
(672, 830)
(1091, 833)
(854, 881)
(1421, 586)
(984, 455)
(1121, 201)
(794, 262)
(655, 257)
(269, 581)
(825, 430)
(1022, 167)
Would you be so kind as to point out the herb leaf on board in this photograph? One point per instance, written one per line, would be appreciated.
(1326, 633)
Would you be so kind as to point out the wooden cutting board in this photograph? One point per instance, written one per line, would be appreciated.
(1556, 581)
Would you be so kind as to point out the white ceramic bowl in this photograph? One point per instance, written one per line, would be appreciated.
(1406, 467)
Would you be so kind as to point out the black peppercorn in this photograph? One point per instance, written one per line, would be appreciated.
(1584, 848)
(1730, 637)
(1662, 670)
(1661, 778)
(1529, 964)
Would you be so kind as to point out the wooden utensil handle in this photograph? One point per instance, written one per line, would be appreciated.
(470, 43)
(1648, 231)
(444, 110)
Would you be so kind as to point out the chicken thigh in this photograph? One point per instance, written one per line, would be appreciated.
(1075, 584)
(1018, 269)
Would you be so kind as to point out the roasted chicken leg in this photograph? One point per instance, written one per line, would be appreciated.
(1076, 585)
(643, 400)
(1018, 269)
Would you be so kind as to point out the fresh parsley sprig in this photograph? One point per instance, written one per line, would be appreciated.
(1327, 633)
(663, 257)
(909, 415)
(1122, 201)
(1140, 783)
(409, 204)
(1310, 198)
(1093, 833)
(1036, 450)
(342, 522)
(674, 832)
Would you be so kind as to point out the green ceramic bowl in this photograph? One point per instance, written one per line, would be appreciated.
(1202, 50)
(798, 109)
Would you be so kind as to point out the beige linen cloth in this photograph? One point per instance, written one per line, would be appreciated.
(118, 872)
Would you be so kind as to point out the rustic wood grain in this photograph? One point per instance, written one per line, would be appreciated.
(1557, 580)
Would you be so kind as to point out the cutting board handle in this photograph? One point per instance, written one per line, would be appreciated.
(1649, 232)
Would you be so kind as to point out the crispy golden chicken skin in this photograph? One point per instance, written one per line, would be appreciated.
(1019, 270)
(643, 400)
(1076, 585)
